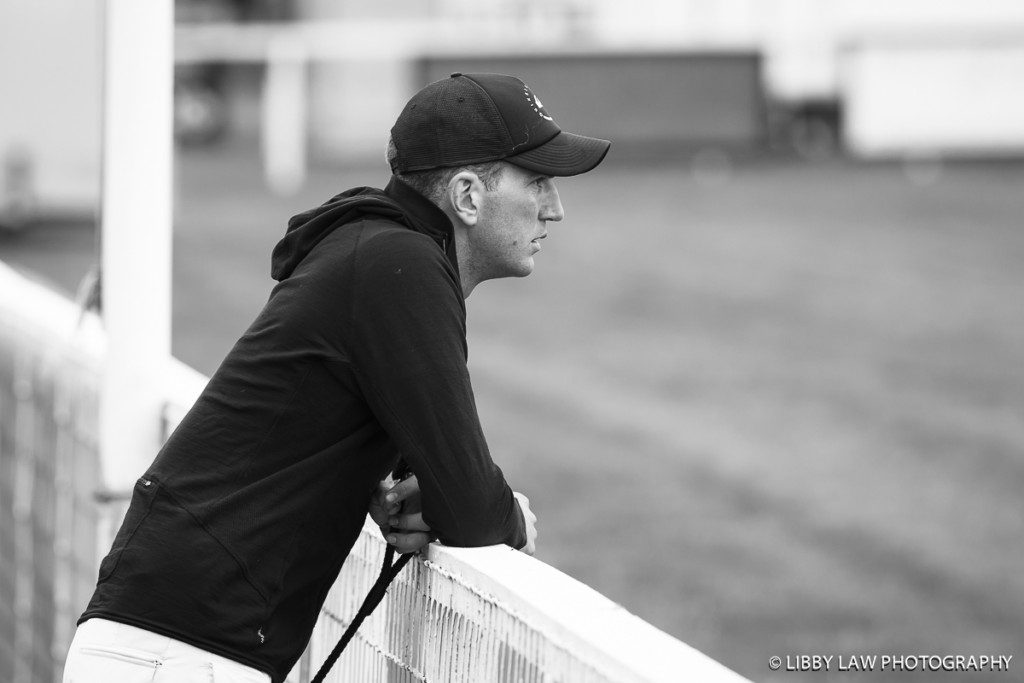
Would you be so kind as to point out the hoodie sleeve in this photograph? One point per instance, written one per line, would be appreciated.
(407, 343)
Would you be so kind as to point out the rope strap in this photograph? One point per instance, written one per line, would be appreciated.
(388, 572)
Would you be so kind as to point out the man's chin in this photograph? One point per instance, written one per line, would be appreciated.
(525, 268)
(514, 270)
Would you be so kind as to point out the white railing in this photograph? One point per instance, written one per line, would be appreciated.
(49, 473)
(483, 614)
(493, 614)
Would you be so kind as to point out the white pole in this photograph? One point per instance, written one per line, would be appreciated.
(136, 232)
(284, 126)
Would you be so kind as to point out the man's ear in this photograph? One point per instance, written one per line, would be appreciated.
(465, 195)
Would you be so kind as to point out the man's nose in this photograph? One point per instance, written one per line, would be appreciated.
(551, 209)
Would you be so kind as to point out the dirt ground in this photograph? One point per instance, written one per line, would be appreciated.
(775, 408)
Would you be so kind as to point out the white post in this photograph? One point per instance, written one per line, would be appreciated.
(136, 234)
(284, 126)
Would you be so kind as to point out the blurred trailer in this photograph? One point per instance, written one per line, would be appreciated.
(655, 101)
(943, 95)
(50, 105)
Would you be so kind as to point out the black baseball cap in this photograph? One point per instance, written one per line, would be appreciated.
(475, 118)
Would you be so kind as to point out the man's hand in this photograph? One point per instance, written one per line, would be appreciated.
(397, 510)
(531, 524)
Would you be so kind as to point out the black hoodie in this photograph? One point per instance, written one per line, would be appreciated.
(239, 527)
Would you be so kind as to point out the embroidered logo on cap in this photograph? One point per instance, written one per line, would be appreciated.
(536, 104)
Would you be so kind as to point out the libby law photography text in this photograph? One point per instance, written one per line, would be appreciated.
(890, 663)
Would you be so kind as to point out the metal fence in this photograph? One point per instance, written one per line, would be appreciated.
(464, 615)
(49, 472)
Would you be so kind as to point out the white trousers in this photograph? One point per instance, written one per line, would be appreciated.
(103, 651)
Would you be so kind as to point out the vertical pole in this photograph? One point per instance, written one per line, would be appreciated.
(284, 128)
(25, 453)
(135, 234)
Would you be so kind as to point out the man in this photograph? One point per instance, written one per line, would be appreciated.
(355, 368)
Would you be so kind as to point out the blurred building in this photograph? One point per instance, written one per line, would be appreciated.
(323, 79)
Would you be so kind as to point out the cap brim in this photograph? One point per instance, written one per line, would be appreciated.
(563, 155)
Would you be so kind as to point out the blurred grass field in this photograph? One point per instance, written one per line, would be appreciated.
(776, 410)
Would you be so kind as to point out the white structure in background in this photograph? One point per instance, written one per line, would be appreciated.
(50, 55)
(934, 100)
(920, 78)
(283, 136)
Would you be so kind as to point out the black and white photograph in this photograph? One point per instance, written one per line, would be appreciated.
(521, 341)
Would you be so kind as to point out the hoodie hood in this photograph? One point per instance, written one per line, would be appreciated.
(397, 202)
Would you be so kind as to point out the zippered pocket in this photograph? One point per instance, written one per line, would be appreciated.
(138, 509)
(140, 659)
(99, 663)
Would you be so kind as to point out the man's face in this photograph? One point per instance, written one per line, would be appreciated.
(513, 221)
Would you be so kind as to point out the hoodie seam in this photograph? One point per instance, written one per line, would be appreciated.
(209, 532)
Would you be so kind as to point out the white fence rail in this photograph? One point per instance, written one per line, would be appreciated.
(494, 614)
(49, 473)
(484, 614)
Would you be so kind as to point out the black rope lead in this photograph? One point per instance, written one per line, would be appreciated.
(388, 572)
